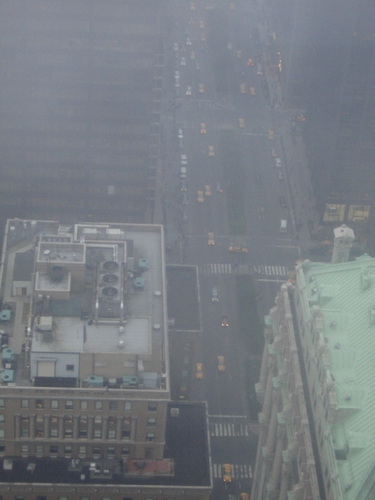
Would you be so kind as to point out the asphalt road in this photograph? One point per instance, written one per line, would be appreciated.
(271, 254)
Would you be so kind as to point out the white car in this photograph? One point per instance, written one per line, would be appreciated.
(183, 160)
(278, 163)
(180, 133)
(183, 61)
(188, 91)
(177, 83)
(177, 74)
(175, 46)
(188, 41)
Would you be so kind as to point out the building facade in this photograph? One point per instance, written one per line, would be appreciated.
(320, 340)
(85, 357)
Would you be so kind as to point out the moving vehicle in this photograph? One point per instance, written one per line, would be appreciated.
(200, 198)
(239, 53)
(183, 61)
(271, 135)
(188, 41)
(203, 37)
(283, 225)
(237, 249)
(241, 123)
(211, 151)
(224, 320)
(203, 128)
(197, 66)
(199, 371)
(211, 238)
(185, 200)
(259, 70)
(221, 366)
(253, 91)
(278, 163)
(243, 88)
(192, 55)
(188, 90)
(183, 160)
(201, 24)
(250, 62)
(215, 294)
(183, 173)
(274, 153)
(244, 496)
(192, 6)
(201, 88)
(207, 190)
(218, 187)
(183, 185)
(280, 175)
(180, 133)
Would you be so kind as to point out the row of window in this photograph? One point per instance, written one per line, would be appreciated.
(55, 404)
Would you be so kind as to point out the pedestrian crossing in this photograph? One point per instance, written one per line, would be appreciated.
(281, 271)
(278, 271)
(228, 430)
(239, 471)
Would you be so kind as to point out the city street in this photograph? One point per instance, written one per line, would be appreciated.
(192, 125)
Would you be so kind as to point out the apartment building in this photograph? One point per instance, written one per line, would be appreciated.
(317, 386)
(85, 360)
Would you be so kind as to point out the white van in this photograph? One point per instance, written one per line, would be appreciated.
(283, 224)
(183, 173)
(215, 294)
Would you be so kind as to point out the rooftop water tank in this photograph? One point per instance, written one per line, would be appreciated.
(143, 264)
(7, 376)
(139, 283)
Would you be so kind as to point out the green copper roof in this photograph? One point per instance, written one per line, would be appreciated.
(344, 294)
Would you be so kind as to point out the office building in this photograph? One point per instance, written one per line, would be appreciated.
(81, 93)
(85, 388)
(317, 386)
(328, 52)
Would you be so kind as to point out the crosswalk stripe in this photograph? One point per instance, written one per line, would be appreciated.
(216, 268)
(239, 471)
(270, 270)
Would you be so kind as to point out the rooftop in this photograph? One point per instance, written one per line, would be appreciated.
(339, 307)
(95, 289)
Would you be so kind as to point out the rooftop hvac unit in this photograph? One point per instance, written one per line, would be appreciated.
(139, 283)
(95, 381)
(143, 264)
(129, 381)
(7, 376)
(110, 292)
(110, 266)
(175, 412)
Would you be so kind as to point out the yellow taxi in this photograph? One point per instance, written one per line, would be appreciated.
(210, 238)
(199, 371)
(192, 6)
(200, 198)
(241, 123)
(201, 24)
(192, 55)
(253, 91)
(207, 190)
(203, 37)
(239, 54)
(201, 88)
(244, 496)
(203, 128)
(243, 88)
(227, 473)
(211, 151)
(238, 249)
(250, 62)
(271, 135)
(220, 364)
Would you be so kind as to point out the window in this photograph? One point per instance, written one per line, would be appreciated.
(63, 498)
(2, 433)
(69, 405)
(24, 403)
(151, 422)
(39, 448)
(110, 451)
(53, 433)
(152, 406)
(82, 450)
(69, 368)
(98, 419)
(2, 419)
(25, 433)
(39, 404)
(111, 434)
(54, 404)
(2, 402)
(97, 433)
(98, 405)
(150, 436)
(83, 405)
(68, 433)
(82, 433)
(53, 448)
(54, 419)
(68, 449)
(125, 434)
(39, 433)
(128, 406)
(96, 450)
(113, 405)
(2, 448)
(125, 450)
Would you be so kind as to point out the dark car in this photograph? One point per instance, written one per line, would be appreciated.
(224, 320)
(283, 202)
